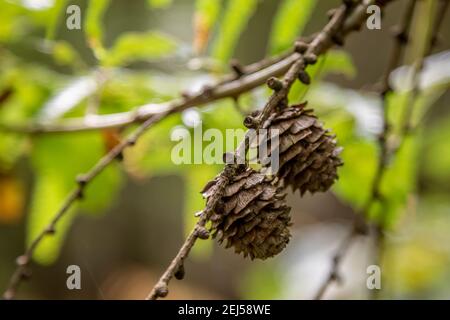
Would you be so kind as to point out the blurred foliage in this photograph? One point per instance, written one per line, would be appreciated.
(289, 22)
(237, 14)
(206, 13)
(133, 46)
(160, 4)
(56, 161)
(62, 82)
(94, 26)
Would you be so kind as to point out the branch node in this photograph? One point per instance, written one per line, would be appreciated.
(304, 77)
(202, 233)
(185, 95)
(26, 274)
(207, 91)
(310, 58)
(50, 230)
(301, 46)
(348, 3)
(331, 13)
(228, 157)
(8, 295)
(400, 35)
(82, 180)
(274, 84)
(250, 122)
(22, 260)
(161, 290)
(338, 39)
(131, 141)
(237, 68)
(80, 193)
(179, 274)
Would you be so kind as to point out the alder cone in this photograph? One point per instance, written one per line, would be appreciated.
(252, 215)
(308, 154)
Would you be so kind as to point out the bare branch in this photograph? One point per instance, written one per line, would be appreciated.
(344, 20)
(386, 151)
(82, 180)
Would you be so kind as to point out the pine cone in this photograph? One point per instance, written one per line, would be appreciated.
(308, 155)
(252, 215)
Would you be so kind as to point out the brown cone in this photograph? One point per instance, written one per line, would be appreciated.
(308, 155)
(252, 216)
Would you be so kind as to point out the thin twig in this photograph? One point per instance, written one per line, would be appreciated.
(393, 63)
(406, 126)
(82, 180)
(254, 75)
(319, 44)
(386, 151)
(344, 20)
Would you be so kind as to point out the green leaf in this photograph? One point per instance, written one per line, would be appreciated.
(48, 194)
(57, 160)
(356, 175)
(140, 46)
(94, 26)
(195, 179)
(290, 20)
(55, 16)
(237, 15)
(159, 4)
(421, 29)
(262, 281)
(206, 13)
(152, 153)
(339, 62)
(12, 147)
(436, 157)
(65, 54)
(397, 184)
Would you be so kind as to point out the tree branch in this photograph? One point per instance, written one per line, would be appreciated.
(340, 25)
(345, 19)
(82, 180)
(252, 76)
(386, 151)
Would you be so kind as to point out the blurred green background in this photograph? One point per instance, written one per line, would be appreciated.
(135, 215)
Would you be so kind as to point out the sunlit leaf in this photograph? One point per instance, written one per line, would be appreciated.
(398, 183)
(12, 199)
(159, 4)
(415, 267)
(237, 15)
(262, 281)
(356, 176)
(94, 27)
(152, 153)
(436, 157)
(195, 179)
(140, 46)
(56, 11)
(57, 160)
(65, 54)
(68, 97)
(48, 195)
(421, 30)
(205, 16)
(290, 20)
